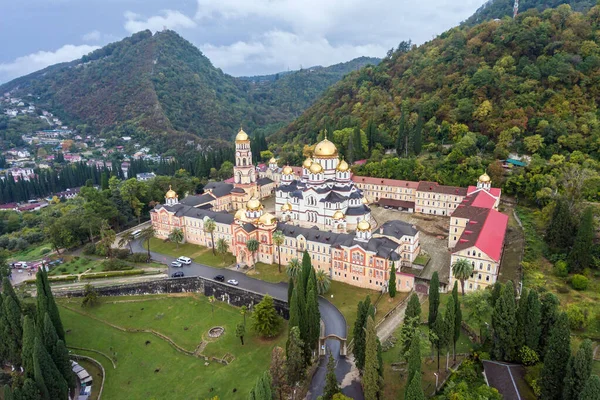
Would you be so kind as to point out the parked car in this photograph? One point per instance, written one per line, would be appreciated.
(220, 278)
(178, 274)
(233, 282)
(185, 260)
(176, 264)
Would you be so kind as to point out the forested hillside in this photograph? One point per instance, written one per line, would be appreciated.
(161, 83)
(504, 8)
(468, 98)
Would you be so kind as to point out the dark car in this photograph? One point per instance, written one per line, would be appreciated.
(178, 274)
(220, 278)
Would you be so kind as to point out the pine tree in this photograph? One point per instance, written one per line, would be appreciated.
(449, 321)
(29, 335)
(359, 332)
(266, 321)
(578, 371)
(522, 322)
(559, 233)
(580, 256)
(414, 363)
(392, 281)
(504, 322)
(414, 391)
(534, 318)
(371, 379)
(457, 318)
(549, 306)
(295, 366)
(434, 299)
(591, 390)
(556, 359)
(331, 384)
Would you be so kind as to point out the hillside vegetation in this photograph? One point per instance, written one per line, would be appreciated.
(161, 84)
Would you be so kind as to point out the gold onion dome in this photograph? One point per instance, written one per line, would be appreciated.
(253, 205)
(307, 163)
(287, 170)
(171, 194)
(316, 168)
(325, 148)
(343, 166)
(267, 219)
(272, 160)
(241, 136)
(286, 207)
(338, 215)
(240, 214)
(363, 225)
(485, 178)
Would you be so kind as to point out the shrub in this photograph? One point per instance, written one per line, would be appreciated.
(563, 289)
(44, 251)
(533, 378)
(115, 265)
(112, 274)
(121, 254)
(579, 282)
(89, 249)
(528, 356)
(561, 269)
(578, 318)
(138, 257)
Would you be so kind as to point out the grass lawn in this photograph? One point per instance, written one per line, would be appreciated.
(465, 311)
(148, 367)
(32, 253)
(268, 273)
(346, 298)
(422, 259)
(74, 265)
(199, 254)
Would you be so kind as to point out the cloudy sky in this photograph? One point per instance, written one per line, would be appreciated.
(243, 37)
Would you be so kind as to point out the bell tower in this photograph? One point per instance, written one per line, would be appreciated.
(244, 172)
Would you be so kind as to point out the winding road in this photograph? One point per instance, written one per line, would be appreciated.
(331, 316)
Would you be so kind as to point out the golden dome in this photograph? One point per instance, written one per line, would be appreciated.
(363, 225)
(316, 168)
(287, 170)
(272, 160)
(267, 219)
(338, 215)
(325, 148)
(171, 194)
(343, 166)
(253, 205)
(240, 214)
(485, 178)
(307, 163)
(241, 136)
(286, 207)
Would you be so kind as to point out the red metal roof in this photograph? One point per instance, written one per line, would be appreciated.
(487, 231)
(383, 181)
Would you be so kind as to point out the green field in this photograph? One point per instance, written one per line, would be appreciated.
(268, 273)
(200, 254)
(32, 253)
(148, 367)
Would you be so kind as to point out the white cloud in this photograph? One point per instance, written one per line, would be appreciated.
(92, 36)
(170, 19)
(35, 61)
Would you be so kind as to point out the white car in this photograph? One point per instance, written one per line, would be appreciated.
(185, 260)
(233, 282)
(176, 264)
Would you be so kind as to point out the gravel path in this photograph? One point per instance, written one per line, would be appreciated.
(388, 326)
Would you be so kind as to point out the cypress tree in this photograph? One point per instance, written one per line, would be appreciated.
(371, 379)
(51, 378)
(549, 307)
(46, 303)
(522, 323)
(578, 371)
(449, 320)
(262, 387)
(306, 268)
(359, 332)
(438, 340)
(63, 363)
(534, 318)
(357, 141)
(580, 256)
(434, 299)
(313, 319)
(412, 317)
(414, 363)
(556, 359)
(413, 309)
(8, 393)
(13, 329)
(504, 321)
(331, 384)
(303, 319)
(29, 390)
(29, 335)
(290, 290)
(414, 391)
(591, 390)
(417, 139)
(3, 322)
(294, 310)
(496, 291)
(392, 281)
(559, 233)
(295, 365)
(457, 318)
(402, 133)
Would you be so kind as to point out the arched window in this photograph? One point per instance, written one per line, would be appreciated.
(243, 161)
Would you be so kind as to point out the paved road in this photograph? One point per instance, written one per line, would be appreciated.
(333, 319)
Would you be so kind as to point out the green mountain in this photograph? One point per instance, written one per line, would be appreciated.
(161, 84)
(493, 9)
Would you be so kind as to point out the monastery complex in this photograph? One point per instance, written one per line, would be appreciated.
(323, 209)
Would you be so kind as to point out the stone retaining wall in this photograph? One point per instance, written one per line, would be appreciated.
(226, 293)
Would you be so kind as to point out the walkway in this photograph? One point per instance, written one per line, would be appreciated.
(331, 316)
(389, 325)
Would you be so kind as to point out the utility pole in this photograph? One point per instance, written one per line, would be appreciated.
(516, 9)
